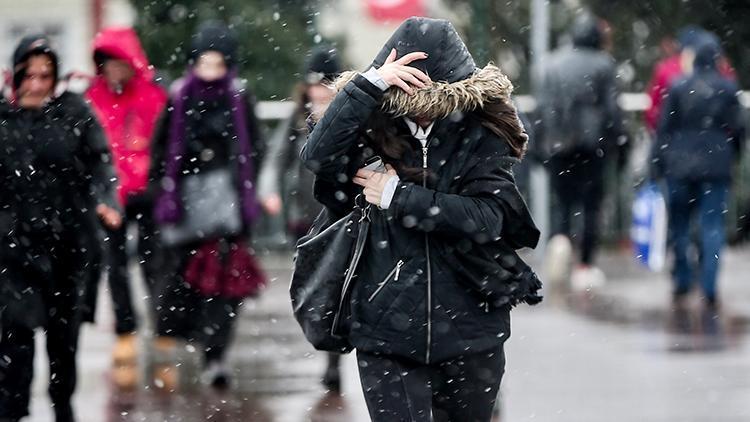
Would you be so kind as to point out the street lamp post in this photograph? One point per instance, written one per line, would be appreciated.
(540, 202)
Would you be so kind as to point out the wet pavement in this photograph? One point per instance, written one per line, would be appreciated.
(568, 360)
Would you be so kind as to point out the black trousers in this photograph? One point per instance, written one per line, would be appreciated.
(577, 184)
(186, 314)
(56, 279)
(147, 253)
(463, 389)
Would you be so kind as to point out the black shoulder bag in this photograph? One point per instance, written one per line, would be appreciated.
(325, 262)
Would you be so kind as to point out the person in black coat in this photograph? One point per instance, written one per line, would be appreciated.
(581, 128)
(58, 181)
(430, 307)
(208, 131)
(698, 140)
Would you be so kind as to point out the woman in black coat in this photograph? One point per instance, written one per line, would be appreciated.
(208, 132)
(430, 308)
(56, 177)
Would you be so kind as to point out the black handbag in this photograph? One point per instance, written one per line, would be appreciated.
(325, 263)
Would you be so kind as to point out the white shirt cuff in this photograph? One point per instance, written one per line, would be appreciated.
(374, 77)
(388, 191)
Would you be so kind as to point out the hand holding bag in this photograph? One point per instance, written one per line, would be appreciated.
(325, 262)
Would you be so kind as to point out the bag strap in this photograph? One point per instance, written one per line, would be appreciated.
(359, 247)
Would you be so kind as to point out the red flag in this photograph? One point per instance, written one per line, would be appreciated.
(394, 10)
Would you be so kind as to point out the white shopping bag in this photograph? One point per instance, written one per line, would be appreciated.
(649, 230)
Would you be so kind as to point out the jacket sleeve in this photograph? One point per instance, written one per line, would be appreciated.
(256, 133)
(328, 149)
(670, 116)
(97, 162)
(656, 90)
(735, 121)
(158, 153)
(615, 134)
(486, 208)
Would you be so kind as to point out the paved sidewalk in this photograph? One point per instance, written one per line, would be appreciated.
(634, 294)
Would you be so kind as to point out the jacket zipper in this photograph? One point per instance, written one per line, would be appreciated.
(394, 273)
(427, 254)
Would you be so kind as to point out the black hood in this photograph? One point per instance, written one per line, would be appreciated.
(28, 46)
(449, 60)
(707, 52)
(586, 32)
(214, 36)
(323, 65)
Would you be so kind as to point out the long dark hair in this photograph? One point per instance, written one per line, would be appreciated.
(383, 135)
(502, 119)
(385, 138)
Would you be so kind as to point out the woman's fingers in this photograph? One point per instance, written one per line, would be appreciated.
(403, 85)
(364, 173)
(360, 181)
(409, 78)
(418, 73)
(408, 58)
(391, 57)
(371, 196)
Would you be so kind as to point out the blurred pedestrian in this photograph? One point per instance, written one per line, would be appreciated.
(679, 62)
(699, 139)
(282, 174)
(57, 184)
(582, 127)
(430, 304)
(283, 171)
(206, 153)
(127, 102)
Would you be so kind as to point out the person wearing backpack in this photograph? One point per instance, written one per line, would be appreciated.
(581, 128)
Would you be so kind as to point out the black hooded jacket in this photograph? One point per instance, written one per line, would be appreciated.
(578, 99)
(702, 127)
(439, 273)
(55, 168)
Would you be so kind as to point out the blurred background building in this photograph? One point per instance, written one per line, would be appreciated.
(71, 24)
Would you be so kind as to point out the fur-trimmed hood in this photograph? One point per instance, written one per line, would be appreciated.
(441, 98)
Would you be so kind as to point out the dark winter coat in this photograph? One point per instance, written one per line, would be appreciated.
(55, 168)
(702, 126)
(578, 100)
(439, 273)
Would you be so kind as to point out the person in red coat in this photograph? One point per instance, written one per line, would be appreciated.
(127, 103)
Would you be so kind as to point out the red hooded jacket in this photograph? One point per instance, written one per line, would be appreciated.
(128, 117)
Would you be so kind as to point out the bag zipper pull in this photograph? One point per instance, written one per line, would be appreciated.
(398, 269)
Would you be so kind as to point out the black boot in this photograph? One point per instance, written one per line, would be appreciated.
(64, 413)
(332, 376)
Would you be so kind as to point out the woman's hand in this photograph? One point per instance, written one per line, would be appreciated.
(398, 73)
(272, 204)
(110, 216)
(374, 183)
